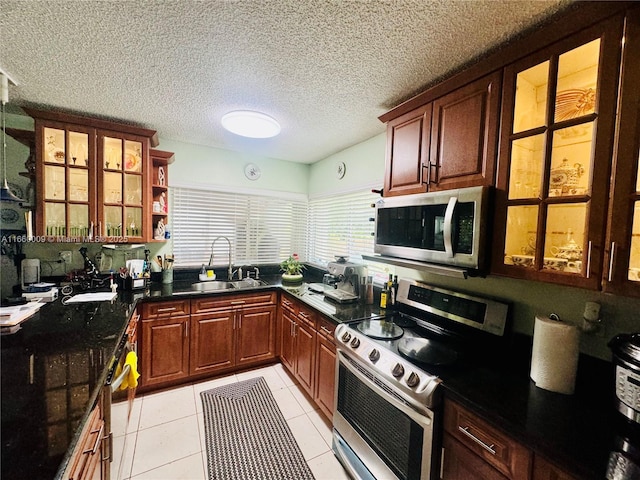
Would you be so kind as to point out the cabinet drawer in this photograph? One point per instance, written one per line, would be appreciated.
(307, 315)
(289, 305)
(225, 302)
(165, 309)
(326, 328)
(505, 454)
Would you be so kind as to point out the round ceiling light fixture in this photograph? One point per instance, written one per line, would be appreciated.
(251, 124)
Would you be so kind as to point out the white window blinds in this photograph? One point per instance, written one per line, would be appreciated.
(262, 229)
(340, 225)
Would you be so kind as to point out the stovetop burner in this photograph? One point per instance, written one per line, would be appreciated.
(426, 351)
(381, 329)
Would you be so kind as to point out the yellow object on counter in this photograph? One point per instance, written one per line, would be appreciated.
(131, 381)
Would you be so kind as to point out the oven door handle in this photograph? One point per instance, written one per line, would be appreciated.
(448, 226)
(419, 417)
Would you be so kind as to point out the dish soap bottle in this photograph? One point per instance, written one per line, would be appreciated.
(203, 274)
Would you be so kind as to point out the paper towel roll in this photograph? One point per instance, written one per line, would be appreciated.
(554, 359)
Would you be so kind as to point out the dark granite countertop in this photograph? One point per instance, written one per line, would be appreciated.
(53, 366)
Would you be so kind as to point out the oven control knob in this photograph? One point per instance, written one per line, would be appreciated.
(413, 379)
(398, 370)
(374, 355)
(346, 337)
(355, 343)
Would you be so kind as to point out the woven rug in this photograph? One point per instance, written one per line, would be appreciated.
(247, 437)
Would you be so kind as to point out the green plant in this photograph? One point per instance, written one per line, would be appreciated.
(292, 265)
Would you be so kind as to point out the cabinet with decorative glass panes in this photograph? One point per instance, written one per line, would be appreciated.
(91, 179)
(122, 189)
(622, 255)
(555, 154)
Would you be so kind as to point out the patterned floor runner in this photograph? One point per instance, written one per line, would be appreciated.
(247, 437)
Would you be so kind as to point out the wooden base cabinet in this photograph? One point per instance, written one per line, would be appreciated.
(184, 340)
(165, 342)
(475, 450)
(308, 351)
(298, 338)
(325, 367)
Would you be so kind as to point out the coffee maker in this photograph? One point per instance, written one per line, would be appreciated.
(343, 279)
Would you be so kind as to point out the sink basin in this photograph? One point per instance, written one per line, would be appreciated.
(217, 285)
(247, 283)
(213, 285)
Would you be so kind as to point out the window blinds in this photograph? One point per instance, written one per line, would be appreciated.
(262, 229)
(340, 225)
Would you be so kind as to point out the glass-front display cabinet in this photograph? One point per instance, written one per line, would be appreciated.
(67, 187)
(622, 260)
(122, 190)
(555, 160)
(91, 179)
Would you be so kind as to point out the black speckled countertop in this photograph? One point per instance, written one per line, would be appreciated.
(53, 366)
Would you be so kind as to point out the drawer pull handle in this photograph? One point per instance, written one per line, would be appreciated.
(168, 309)
(326, 330)
(237, 302)
(488, 448)
(100, 431)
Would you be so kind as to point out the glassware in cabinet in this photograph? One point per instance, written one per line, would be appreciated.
(64, 190)
(122, 187)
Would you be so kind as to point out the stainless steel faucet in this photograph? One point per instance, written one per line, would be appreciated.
(230, 269)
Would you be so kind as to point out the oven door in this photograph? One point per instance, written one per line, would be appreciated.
(119, 388)
(377, 435)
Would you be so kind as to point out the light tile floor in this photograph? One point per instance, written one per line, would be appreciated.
(165, 436)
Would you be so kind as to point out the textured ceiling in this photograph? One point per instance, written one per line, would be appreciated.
(325, 69)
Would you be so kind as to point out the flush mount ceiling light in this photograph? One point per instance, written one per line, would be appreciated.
(250, 124)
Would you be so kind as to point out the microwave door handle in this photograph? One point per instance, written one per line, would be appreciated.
(448, 226)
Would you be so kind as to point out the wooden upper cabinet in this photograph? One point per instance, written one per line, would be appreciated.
(464, 135)
(407, 152)
(622, 247)
(446, 144)
(92, 179)
(557, 138)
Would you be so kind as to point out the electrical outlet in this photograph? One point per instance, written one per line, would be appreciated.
(66, 256)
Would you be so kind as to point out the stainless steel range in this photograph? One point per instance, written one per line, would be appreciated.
(387, 423)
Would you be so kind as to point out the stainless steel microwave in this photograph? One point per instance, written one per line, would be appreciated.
(446, 228)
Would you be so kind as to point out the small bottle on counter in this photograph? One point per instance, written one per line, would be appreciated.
(384, 296)
(203, 274)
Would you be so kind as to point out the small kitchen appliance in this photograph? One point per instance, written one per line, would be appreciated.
(388, 416)
(442, 228)
(344, 277)
(626, 356)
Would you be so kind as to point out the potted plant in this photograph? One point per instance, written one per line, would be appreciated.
(292, 268)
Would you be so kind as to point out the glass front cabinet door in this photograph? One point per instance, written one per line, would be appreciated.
(555, 159)
(622, 255)
(67, 185)
(122, 190)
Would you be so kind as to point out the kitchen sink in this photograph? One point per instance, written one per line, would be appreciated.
(247, 283)
(217, 285)
(213, 285)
